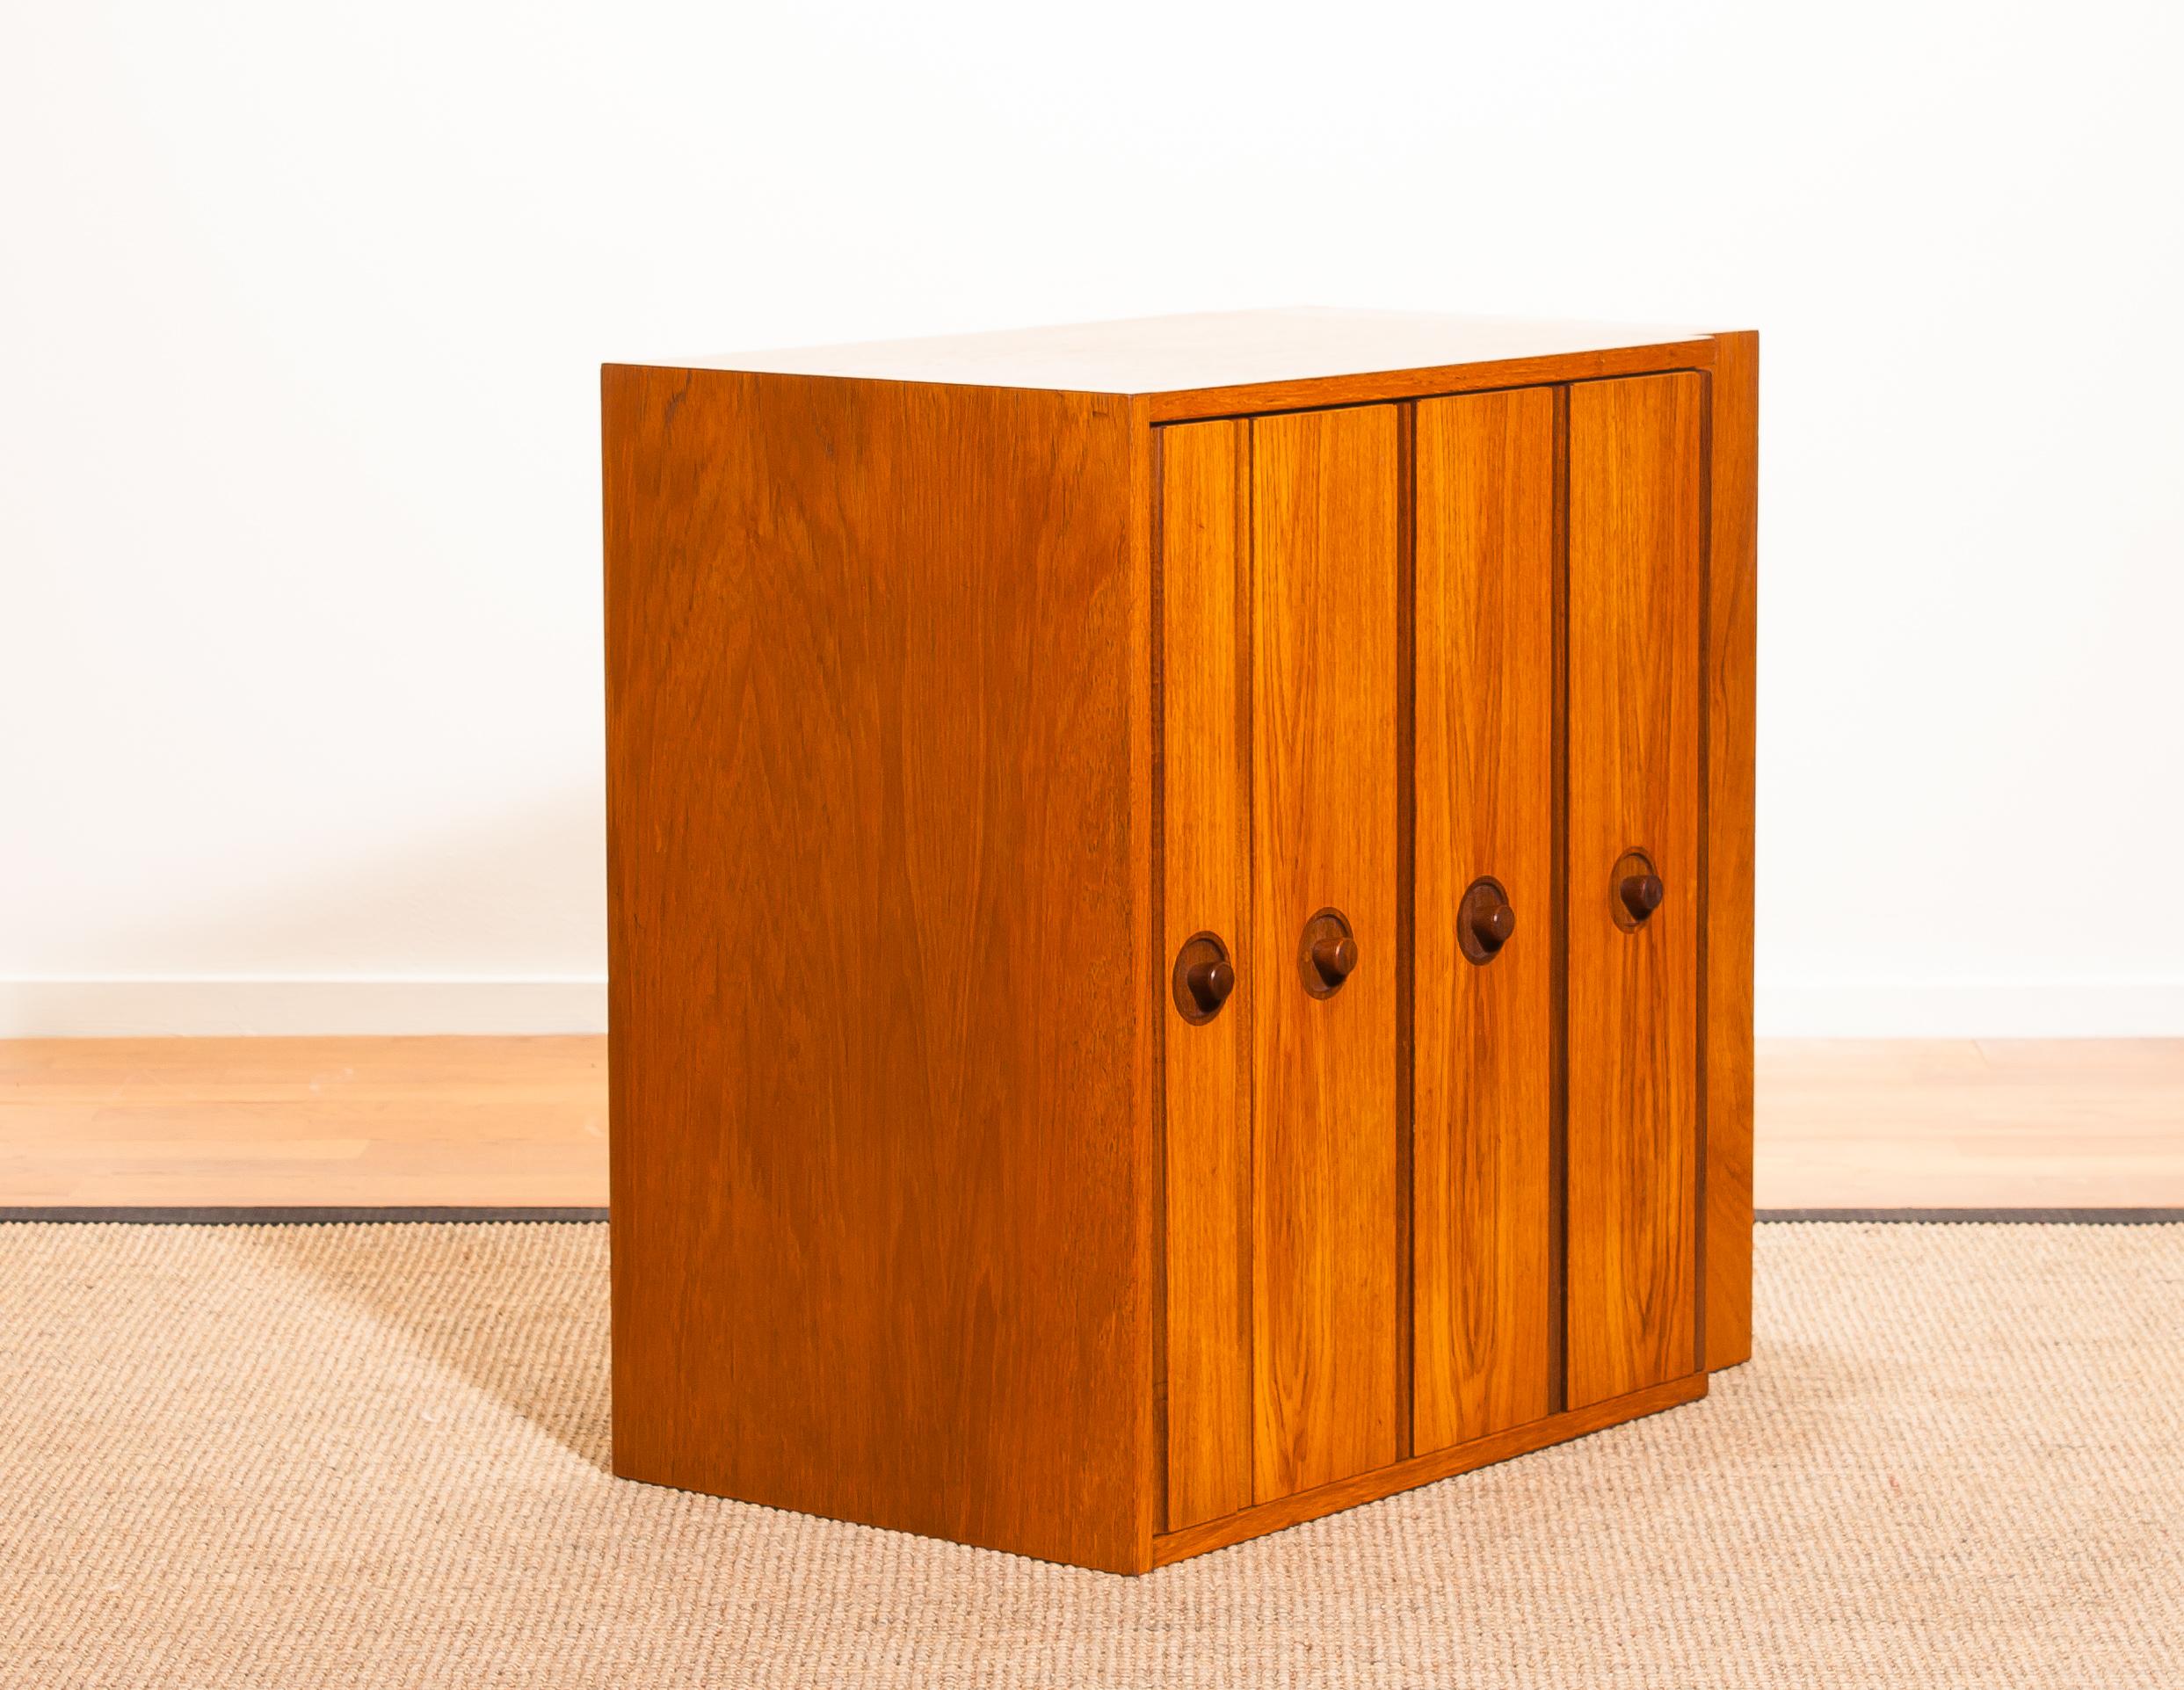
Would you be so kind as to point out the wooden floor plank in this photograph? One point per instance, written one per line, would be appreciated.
(2026, 1123)
(352, 1121)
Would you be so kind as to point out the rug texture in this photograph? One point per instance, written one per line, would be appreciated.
(377, 1455)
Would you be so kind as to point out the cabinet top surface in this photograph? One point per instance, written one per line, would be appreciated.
(1223, 349)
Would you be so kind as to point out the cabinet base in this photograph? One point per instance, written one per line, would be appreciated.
(1171, 1547)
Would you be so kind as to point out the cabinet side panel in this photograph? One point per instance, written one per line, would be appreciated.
(1732, 662)
(1636, 547)
(878, 1145)
(1323, 809)
(1486, 1316)
(1204, 528)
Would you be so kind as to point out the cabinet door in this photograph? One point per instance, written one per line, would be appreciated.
(1635, 566)
(1484, 1305)
(1326, 1240)
(1204, 530)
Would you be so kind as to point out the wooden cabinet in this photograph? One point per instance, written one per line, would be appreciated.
(1180, 901)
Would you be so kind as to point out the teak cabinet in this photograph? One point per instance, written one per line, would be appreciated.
(1180, 906)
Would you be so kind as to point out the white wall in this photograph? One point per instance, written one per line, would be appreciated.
(301, 308)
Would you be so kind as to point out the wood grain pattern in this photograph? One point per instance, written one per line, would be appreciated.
(1426, 1469)
(1732, 705)
(1205, 517)
(1636, 539)
(1324, 836)
(878, 894)
(1486, 1318)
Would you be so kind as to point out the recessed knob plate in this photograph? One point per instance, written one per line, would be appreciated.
(1327, 954)
(1204, 977)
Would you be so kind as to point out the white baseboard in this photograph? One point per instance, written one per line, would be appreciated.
(112, 1009)
(1970, 1009)
(63, 1009)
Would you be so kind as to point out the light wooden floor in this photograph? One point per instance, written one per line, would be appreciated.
(362, 1122)
(372, 1122)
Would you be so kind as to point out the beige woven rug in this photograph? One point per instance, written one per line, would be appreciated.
(365, 1455)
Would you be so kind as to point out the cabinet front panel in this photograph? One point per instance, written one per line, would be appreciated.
(1636, 544)
(1325, 1266)
(1485, 1309)
(1205, 527)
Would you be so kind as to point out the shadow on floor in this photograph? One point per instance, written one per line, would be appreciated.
(471, 1297)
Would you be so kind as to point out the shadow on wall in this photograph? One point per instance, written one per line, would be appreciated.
(494, 923)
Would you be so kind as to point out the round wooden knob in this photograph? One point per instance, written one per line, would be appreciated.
(1492, 927)
(1641, 895)
(1484, 921)
(1209, 983)
(1326, 954)
(1334, 956)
